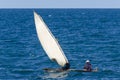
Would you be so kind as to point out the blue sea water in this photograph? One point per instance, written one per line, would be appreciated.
(83, 34)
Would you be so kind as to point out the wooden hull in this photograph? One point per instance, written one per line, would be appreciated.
(73, 70)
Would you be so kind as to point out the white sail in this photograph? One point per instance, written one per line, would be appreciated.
(48, 41)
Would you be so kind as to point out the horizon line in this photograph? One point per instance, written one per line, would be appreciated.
(60, 8)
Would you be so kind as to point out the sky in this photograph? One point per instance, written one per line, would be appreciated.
(59, 3)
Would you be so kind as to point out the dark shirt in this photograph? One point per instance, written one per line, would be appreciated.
(88, 67)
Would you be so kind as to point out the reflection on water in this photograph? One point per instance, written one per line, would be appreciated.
(56, 75)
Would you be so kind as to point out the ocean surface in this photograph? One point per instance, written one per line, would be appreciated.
(83, 34)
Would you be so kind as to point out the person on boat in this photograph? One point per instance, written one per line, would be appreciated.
(66, 67)
(88, 66)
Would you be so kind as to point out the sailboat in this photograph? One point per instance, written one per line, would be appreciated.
(51, 45)
(49, 42)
